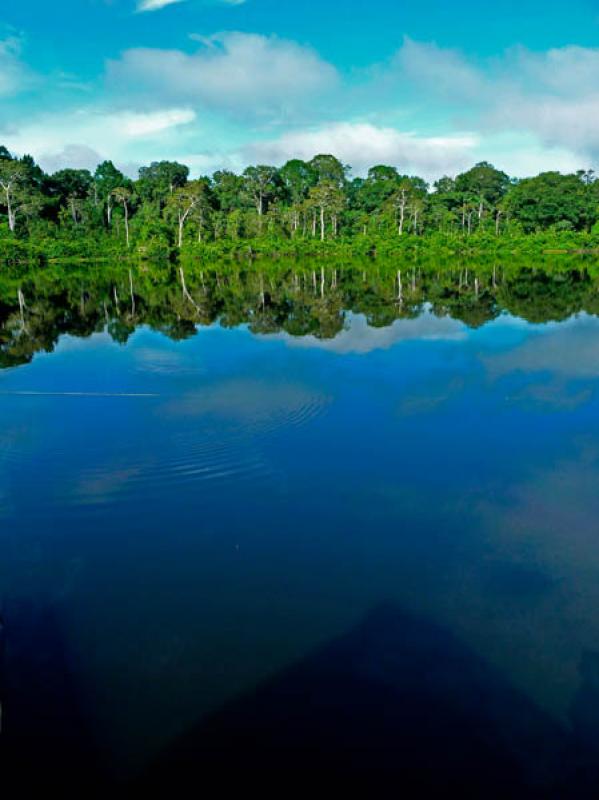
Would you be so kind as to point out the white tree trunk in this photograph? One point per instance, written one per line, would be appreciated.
(402, 216)
(126, 207)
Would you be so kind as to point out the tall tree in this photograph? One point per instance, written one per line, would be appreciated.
(107, 178)
(12, 176)
(124, 196)
(70, 187)
(260, 183)
(160, 179)
(328, 198)
(228, 189)
(185, 201)
(381, 183)
(330, 170)
(488, 184)
(297, 177)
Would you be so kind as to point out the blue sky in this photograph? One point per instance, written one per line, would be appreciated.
(429, 86)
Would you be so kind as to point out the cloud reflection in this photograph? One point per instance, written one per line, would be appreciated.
(360, 338)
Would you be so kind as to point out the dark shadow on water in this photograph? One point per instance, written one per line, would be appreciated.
(46, 745)
(397, 706)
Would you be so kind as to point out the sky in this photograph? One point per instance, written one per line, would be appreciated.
(428, 86)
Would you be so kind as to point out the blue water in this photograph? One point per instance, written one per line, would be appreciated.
(183, 521)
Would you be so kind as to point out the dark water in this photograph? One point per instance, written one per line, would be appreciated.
(298, 525)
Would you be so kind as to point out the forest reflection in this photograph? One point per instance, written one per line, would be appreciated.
(300, 300)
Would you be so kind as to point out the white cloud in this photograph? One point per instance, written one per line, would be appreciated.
(238, 73)
(553, 95)
(428, 111)
(155, 5)
(135, 124)
(85, 136)
(443, 71)
(15, 76)
(362, 145)
(72, 156)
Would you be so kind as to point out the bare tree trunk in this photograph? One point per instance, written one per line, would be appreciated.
(132, 294)
(126, 207)
(185, 292)
(21, 307)
(415, 222)
(181, 223)
(9, 207)
(12, 222)
(322, 223)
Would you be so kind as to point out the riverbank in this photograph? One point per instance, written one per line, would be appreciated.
(14, 251)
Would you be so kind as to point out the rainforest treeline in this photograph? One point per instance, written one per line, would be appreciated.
(301, 206)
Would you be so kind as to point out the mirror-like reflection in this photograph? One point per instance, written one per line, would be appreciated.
(302, 509)
(37, 308)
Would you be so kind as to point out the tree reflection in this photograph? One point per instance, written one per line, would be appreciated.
(38, 307)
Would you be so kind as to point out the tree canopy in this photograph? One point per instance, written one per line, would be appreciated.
(162, 208)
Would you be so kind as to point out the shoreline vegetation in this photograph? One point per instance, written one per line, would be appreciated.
(304, 208)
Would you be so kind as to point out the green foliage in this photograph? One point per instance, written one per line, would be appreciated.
(308, 208)
(552, 199)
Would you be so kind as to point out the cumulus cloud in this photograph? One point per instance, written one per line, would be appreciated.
(429, 110)
(553, 95)
(238, 73)
(73, 156)
(85, 136)
(364, 144)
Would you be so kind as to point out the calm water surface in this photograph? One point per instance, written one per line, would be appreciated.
(185, 521)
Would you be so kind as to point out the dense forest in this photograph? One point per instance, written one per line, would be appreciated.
(302, 207)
